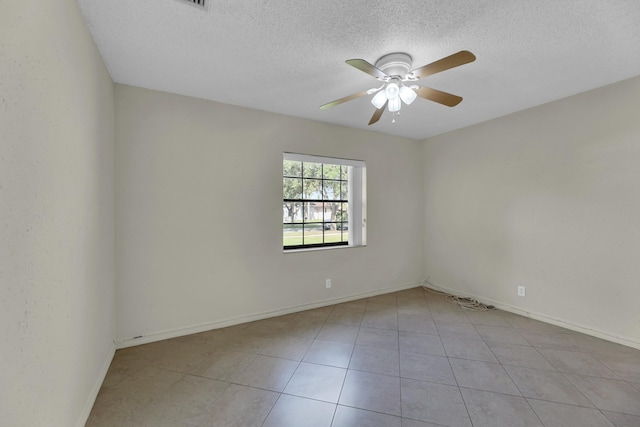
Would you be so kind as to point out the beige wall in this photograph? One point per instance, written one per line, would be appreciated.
(199, 214)
(56, 215)
(547, 198)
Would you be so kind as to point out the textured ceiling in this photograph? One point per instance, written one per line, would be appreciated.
(287, 56)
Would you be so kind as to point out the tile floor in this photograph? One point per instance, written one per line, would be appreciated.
(406, 359)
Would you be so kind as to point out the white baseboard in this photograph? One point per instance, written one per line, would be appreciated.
(540, 316)
(93, 394)
(223, 323)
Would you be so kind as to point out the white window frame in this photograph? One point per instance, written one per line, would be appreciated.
(357, 201)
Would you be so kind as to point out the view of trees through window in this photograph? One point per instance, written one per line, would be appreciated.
(315, 204)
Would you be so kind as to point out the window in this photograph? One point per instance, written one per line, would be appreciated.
(322, 202)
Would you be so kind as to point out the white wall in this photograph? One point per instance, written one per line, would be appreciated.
(199, 214)
(56, 215)
(548, 198)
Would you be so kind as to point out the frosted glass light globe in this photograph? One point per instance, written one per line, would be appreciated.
(392, 90)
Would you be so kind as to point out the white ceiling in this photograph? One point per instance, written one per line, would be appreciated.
(287, 56)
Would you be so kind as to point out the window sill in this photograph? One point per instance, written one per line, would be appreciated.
(322, 248)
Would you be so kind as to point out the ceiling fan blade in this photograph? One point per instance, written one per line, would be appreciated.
(451, 61)
(345, 99)
(377, 114)
(440, 97)
(363, 65)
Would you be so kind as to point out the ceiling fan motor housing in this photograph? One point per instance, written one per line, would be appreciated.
(395, 64)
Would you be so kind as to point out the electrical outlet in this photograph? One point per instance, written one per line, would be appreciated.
(522, 291)
(327, 283)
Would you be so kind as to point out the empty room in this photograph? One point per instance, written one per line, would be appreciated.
(254, 213)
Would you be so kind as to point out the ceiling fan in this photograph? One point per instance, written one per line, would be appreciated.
(393, 71)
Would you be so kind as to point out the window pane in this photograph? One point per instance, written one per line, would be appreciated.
(292, 212)
(313, 212)
(312, 170)
(313, 234)
(345, 235)
(344, 191)
(343, 213)
(291, 235)
(292, 188)
(331, 190)
(312, 188)
(291, 168)
(331, 171)
(345, 172)
(333, 235)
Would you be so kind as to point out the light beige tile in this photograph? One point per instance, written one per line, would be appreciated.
(346, 317)
(417, 324)
(558, 415)
(379, 338)
(467, 349)
(239, 406)
(413, 309)
(607, 394)
(245, 342)
(120, 404)
(185, 400)
(558, 341)
(433, 403)
(625, 365)
(577, 363)
(224, 366)
(317, 314)
(109, 412)
(180, 357)
(329, 353)
(457, 330)
(517, 355)
(319, 382)
(379, 309)
(354, 417)
(306, 328)
(288, 347)
(425, 367)
(338, 333)
(449, 315)
(622, 420)
(483, 376)
(142, 387)
(380, 321)
(546, 385)
(421, 343)
(292, 411)
(386, 299)
(488, 318)
(489, 409)
(378, 360)
(406, 422)
(375, 392)
(500, 334)
(269, 373)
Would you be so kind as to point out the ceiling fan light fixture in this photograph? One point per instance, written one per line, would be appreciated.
(392, 71)
(379, 99)
(392, 90)
(407, 95)
(395, 104)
